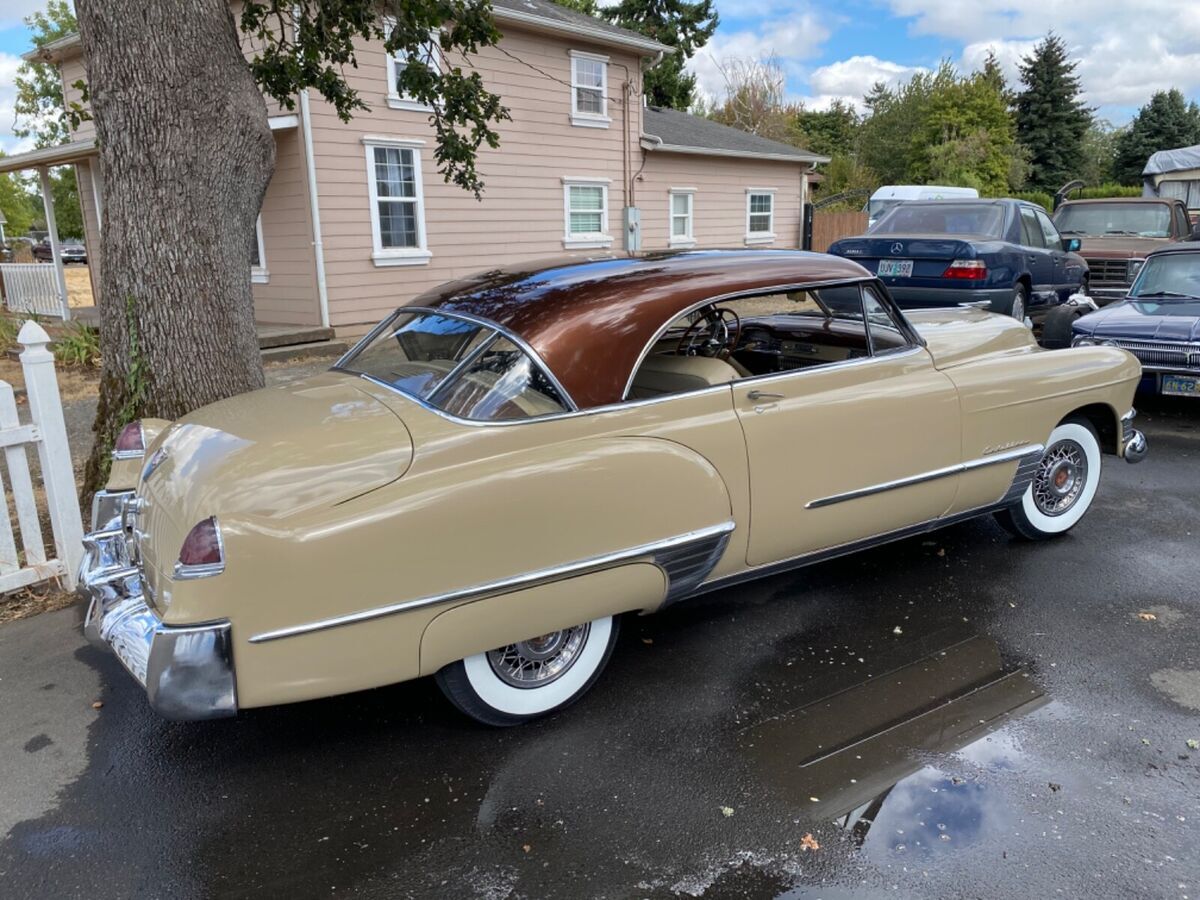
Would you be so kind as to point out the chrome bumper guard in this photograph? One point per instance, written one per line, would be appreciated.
(186, 671)
(1133, 442)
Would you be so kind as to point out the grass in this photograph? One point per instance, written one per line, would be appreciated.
(78, 345)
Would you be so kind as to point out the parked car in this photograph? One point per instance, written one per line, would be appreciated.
(73, 251)
(1001, 255)
(1158, 322)
(495, 473)
(894, 194)
(1116, 236)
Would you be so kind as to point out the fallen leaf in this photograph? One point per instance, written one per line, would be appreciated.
(97, 704)
(727, 811)
(941, 551)
(1193, 744)
(897, 630)
(808, 842)
(815, 799)
(527, 848)
(1055, 787)
(1146, 741)
(1147, 617)
(647, 641)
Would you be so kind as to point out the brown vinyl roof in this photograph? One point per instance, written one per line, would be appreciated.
(590, 319)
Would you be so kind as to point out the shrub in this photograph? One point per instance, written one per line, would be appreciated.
(9, 328)
(1041, 198)
(78, 345)
(1104, 191)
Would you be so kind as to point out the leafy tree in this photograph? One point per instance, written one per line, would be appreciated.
(177, 324)
(754, 100)
(1099, 152)
(18, 204)
(830, 132)
(1051, 118)
(38, 110)
(894, 117)
(686, 26)
(1166, 122)
(68, 214)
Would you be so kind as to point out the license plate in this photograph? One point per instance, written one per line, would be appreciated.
(1181, 385)
(896, 268)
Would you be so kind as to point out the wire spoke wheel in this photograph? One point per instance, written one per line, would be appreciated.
(1061, 478)
(541, 660)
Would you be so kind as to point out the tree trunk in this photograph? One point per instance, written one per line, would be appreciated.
(186, 152)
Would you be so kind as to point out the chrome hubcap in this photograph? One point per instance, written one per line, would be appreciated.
(540, 660)
(1060, 479)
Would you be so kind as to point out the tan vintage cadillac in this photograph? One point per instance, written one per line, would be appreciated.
(489, 479)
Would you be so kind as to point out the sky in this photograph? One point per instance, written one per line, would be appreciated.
(1126, 51)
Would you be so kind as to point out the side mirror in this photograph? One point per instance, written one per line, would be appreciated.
(1195, 235)
(1072, 245)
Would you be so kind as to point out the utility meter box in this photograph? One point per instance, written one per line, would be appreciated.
(633, 228)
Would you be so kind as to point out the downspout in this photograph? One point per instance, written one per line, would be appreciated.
(314, 206)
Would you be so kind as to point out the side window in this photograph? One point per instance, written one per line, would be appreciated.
(428, 55)
(500, 383)
(884, 331)
(1184, 226)
(589, 90)
(1049, 232)
(1031, 232)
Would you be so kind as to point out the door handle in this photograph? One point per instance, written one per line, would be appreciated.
(763, 395)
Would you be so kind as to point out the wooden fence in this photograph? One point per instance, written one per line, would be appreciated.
(829, 226)
(47, 433)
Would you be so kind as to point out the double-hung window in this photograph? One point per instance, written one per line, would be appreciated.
(585, 210)
(682, 208)
(589, 90)
(760, 215)
(429, 55)
(258, 256)
(397, 202)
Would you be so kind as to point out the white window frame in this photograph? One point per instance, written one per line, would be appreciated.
(760, 237)
(396, 256)
(589, 119)
(688, 240)
(259, 274)
(396, 100)
(592, 240)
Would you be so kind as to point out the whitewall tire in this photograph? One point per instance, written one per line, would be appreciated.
(531, 678)
(1063, 487)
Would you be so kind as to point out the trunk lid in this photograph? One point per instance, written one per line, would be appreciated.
(930, 254)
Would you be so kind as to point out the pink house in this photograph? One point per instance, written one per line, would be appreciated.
(357, 220)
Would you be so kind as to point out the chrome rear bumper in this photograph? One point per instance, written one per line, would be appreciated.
(186, 671)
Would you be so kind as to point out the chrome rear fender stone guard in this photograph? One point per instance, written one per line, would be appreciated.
(1133, 442)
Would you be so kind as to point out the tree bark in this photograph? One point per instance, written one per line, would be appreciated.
(186, 152)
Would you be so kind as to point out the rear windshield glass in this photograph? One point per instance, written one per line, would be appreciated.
(942, 218)
(1140, 219)
(464, 368)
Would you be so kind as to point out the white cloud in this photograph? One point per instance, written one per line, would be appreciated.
(1125, 52)
(8, 94)
(850, 79)
(13, 12)
(791, 40)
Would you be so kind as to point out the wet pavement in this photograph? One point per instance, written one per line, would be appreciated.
(956, 715)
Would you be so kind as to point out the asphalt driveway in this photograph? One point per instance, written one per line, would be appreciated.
(951, 716)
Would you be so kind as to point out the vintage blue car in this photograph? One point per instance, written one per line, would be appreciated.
(1159, 322)
(1002, 255)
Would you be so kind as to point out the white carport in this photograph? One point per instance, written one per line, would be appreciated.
(31, 287)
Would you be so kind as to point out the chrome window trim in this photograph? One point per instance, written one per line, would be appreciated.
(505, 585)
(340, 365)
(923, 477)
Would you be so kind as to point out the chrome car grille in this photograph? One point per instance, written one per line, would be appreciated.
(1108, 271)
(1177, 357)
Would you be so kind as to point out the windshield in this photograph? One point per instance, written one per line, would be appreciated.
(943, 218)
(1151, 220)
(1170, 275)
(877, 208)
(461, 367)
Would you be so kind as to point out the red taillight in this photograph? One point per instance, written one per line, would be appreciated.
(130, 442)
(968, 269)
(202, 552)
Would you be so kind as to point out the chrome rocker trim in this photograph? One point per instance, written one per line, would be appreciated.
(186, 671)
(686, 560)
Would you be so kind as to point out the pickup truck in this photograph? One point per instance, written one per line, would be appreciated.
(1117, 234)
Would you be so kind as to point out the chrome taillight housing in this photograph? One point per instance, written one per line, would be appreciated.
(203, 552)
(131, 442)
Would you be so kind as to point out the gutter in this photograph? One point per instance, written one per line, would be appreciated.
(314, 209)
(598, 35)
(49, 52)
(654, 142)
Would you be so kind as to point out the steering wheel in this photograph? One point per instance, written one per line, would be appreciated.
(711, 334)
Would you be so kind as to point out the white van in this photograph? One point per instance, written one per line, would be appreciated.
(891, 194)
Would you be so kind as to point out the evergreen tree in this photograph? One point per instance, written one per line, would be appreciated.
(829, 132)
(993, 75)
(677, 23)
(1051, 119)
(1168, 121)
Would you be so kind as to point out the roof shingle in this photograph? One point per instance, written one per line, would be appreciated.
(682, 132)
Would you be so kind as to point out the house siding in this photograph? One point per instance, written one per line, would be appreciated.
(290, 295)
(719, 202)
(521, 214)
(73, 70)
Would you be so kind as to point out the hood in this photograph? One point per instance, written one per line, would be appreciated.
(1170, 320)
(275, 453)
(955, 335)
(1118, 246)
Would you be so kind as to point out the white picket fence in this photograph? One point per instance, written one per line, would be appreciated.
(47, 431)
(32, 288)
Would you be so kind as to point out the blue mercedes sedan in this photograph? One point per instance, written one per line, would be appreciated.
(1002, 255)
(1158, 322)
